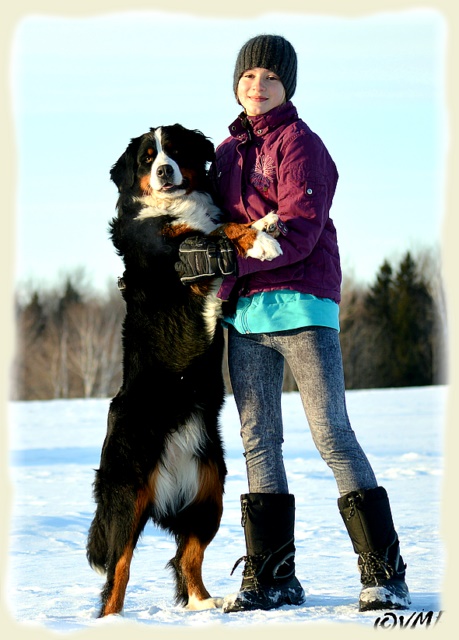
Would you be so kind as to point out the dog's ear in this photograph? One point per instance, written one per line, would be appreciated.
(209, 150)
(200, 141)
(205, 147)
(124, 170)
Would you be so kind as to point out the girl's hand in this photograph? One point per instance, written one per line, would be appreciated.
(205, 257)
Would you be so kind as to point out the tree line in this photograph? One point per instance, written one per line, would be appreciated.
(393, 333)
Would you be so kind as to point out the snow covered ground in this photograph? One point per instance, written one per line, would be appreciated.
(55, 446)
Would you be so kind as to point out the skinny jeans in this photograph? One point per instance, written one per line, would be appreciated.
(256, 366)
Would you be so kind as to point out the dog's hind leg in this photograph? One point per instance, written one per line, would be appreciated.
(124, 529)
(197, 526)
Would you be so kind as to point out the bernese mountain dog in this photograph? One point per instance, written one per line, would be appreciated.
(162, 457)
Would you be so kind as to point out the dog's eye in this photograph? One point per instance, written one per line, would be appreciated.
(148, 159)
(172, 153)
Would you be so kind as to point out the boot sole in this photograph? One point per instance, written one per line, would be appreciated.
(376, 598)
(242, 603)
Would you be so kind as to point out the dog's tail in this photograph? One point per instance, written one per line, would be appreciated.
(97, 547)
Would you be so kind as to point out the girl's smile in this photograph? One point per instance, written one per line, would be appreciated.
(260, 90)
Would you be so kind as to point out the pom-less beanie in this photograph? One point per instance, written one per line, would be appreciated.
(268, 52)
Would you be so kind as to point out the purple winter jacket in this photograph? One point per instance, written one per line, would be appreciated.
(276, 163)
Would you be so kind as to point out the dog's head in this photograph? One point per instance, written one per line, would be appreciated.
(169, 161)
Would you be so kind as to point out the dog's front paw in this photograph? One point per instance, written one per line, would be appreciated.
(265, 247)
(268, 224)
(194, 604)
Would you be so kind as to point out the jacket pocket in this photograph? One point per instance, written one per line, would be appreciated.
(314, 190)
(311, 186)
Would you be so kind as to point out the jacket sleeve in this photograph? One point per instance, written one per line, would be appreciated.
(306, 185)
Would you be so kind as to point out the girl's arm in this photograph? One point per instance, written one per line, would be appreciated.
(307, 181)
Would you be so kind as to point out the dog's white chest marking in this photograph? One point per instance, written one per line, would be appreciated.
(195, 209)
(212, 309)
(176, 480)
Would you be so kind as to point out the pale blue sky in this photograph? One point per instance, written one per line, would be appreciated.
(371, 87)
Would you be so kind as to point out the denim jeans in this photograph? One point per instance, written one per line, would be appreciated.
(256, 365)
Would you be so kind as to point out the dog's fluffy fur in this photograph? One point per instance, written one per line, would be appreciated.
(162, 457)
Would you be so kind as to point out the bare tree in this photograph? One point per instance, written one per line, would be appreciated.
(85, 322)
(110, 363)
(430, 267)
(357, 341)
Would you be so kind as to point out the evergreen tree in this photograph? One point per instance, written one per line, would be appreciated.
(400, 311)
(70, 296)
(413, 320)
(379, 315)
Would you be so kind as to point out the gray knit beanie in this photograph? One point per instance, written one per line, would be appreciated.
(268, 52)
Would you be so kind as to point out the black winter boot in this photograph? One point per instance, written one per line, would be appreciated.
(368, 520)
(269, 575)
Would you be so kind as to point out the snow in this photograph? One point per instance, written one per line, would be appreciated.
(55, 446)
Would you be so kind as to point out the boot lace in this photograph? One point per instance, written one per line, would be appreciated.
(373, 564)
(251, 569)
(252, 564)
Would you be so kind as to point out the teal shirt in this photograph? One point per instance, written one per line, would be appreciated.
(282, 310)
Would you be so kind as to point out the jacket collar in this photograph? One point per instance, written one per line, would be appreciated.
(244, 127)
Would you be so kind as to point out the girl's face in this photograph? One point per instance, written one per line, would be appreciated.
(260, 90)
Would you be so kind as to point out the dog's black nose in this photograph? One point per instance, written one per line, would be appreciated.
(165, 171)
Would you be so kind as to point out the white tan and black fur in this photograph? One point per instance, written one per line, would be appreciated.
(162, 458)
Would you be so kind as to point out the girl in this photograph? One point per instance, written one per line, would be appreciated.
(287, 308)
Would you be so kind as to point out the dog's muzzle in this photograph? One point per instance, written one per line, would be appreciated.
(165, 173)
